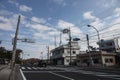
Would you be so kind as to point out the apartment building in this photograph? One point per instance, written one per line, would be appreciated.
(61, 54)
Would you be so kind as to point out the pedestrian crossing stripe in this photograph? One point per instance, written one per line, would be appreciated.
(29, 68)
(37, 68)
(113, 76)
(110, 75)
(34, 68)
(22, 67)
(101, 74)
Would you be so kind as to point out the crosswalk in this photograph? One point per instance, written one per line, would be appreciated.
(56, 69)
(100, 74)
(40, 68)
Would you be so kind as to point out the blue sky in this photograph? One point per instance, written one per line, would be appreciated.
(42, 20)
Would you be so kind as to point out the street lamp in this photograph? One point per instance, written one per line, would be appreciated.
(98, 41)
(76, 39)
(97, 35)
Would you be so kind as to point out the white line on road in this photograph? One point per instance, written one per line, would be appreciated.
(61, 75)
(24, 78)
(22, 67)
(110, 75)
(101, 74)
(34, 68)
(117, 78)
(41, 71)
(29, 68)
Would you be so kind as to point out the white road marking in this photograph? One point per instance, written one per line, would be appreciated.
(61, 75)
(23, 76)
(38, 68)
(22, 67)
(101, 74)
(117, 78)
(111, 76)
(41, 71)
(108, 75)
(29, 68)
(34, 68)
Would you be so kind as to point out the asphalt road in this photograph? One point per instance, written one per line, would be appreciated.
(59, 73)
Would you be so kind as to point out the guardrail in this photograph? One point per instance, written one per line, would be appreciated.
(17, 74)
(20, 75)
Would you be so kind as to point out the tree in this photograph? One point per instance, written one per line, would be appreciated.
(17, 56)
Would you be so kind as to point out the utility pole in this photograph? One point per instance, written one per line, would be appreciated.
(48, 56)
(70, 44)
(55, 41)
(90, 58)
(0, 41)
(15, 44)
(41, 55)
(60, 39)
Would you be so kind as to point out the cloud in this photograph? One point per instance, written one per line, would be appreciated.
(88, 15)
(42, 35)
(25, 8)
(117, 11)
(64, 24)
(38, 20)
(107, 4)
(8, 24)
(74, 29)
(13, 2)
(40, 27)
(5, 13)
(108, 27)
(60, 2)
(95, 21)
(49, 18)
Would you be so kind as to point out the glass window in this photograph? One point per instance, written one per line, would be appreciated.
(68, 51)
(74, 52)
(67, 60)
(109, 44)
(108, 60)
(111, 60)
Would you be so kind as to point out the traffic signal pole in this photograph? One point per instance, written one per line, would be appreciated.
(90, 57)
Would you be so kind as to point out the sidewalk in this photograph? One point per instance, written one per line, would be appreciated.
(2, 66)
(4, 72)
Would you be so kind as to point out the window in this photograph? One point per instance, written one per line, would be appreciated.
(67, 60)
(74, 52)
(96, 60)
(68, 51)
(109, 44)
(111, 60)
(108, 60)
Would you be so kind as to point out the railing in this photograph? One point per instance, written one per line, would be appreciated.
(17, 74)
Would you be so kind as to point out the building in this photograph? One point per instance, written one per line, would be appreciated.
(111, 45)
(61, 54)
(105, 59)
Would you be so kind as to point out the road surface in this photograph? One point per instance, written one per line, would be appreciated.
(61, 73)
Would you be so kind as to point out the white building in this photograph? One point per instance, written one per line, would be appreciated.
(61, 54)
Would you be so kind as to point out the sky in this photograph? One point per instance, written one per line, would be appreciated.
(42, 22)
